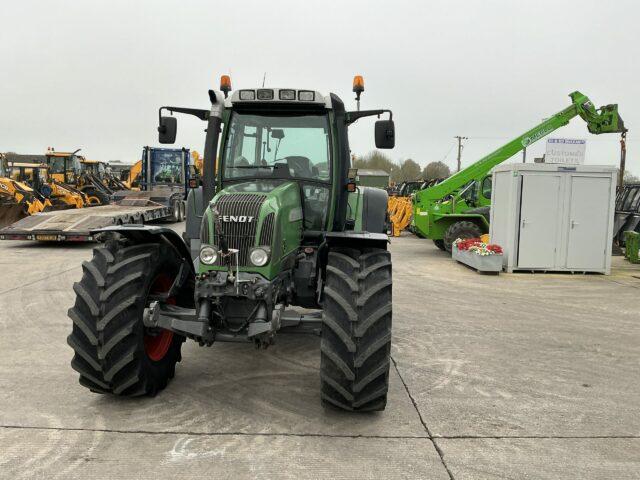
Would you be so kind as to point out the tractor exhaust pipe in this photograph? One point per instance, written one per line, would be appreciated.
(211, 146)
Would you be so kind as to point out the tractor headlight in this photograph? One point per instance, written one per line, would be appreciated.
(259, 256)
(208, 255)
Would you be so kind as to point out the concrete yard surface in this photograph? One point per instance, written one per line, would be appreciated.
(511, 376)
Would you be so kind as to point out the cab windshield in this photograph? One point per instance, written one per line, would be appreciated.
(57, 164)
(271, 146)
(166, 166)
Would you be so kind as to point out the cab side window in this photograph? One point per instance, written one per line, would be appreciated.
(486, 187)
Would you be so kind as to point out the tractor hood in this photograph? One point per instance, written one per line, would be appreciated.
(255, 214)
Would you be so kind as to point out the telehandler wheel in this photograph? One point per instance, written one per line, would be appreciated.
(114, 352)
(356, 329)
(460, 230)
(440, 244)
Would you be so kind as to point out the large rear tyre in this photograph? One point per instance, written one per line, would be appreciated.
(356, 329)
(462, 230)
(114, 352)
(440, 244)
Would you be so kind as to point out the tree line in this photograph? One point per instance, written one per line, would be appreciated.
(409, 170)
(402, 171)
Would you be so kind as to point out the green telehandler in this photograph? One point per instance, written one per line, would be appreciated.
(458, 207)
(278, 222)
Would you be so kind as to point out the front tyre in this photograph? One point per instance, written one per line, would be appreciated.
(463, 230)
(440, 244)
(356, 329)
(114, 352)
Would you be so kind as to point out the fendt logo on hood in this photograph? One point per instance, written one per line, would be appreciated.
(237, 218)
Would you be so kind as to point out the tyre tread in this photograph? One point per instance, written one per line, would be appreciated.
(356, 338)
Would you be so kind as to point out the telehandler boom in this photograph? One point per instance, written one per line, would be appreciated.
(458, 207)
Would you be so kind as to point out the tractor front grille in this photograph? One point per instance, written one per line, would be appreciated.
(266, 234)
(241, 212)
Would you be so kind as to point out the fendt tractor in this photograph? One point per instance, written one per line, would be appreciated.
(458, 207)
(281, 224)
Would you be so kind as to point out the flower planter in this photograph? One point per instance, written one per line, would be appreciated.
(481, 263)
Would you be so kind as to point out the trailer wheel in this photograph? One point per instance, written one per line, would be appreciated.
(356, 329)
(461, 229)
(183, 211)
(175, 210)
(114, 352)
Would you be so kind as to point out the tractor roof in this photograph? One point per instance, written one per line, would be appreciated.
(278, 96)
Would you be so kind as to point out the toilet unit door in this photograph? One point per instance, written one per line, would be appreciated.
(539, 221)
(588, 222)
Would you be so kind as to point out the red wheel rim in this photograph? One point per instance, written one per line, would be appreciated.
(157, 345)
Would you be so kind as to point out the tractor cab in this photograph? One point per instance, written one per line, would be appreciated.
(94, 167)
(65, 167)
(164, 166)
(264, 150)
(33, 174)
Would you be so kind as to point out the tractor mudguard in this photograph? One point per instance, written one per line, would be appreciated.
(374, 209)
(195, 209)
(151, 234)
(357, 239)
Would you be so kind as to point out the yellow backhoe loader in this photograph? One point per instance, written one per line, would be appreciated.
(66, 172)
(17, 199)
(38, 178)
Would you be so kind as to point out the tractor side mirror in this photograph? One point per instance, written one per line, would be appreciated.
(167, 129)
(385, 134)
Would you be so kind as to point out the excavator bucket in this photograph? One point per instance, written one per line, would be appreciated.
(11, 213)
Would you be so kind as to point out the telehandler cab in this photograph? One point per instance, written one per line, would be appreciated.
(281, 224)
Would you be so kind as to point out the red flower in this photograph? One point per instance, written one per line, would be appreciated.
(466, 243)
(494, 248)
(476, 245)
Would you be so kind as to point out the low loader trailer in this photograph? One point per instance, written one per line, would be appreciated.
(75, 225)
(165, 179)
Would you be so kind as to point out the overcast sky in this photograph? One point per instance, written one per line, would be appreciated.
(92, 74)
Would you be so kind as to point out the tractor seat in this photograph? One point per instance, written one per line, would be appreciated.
(300, 166)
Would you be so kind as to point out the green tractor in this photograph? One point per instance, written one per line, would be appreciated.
(279, 222)
(458, 207)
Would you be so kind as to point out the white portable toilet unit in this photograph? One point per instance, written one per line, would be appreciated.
(552, 217)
